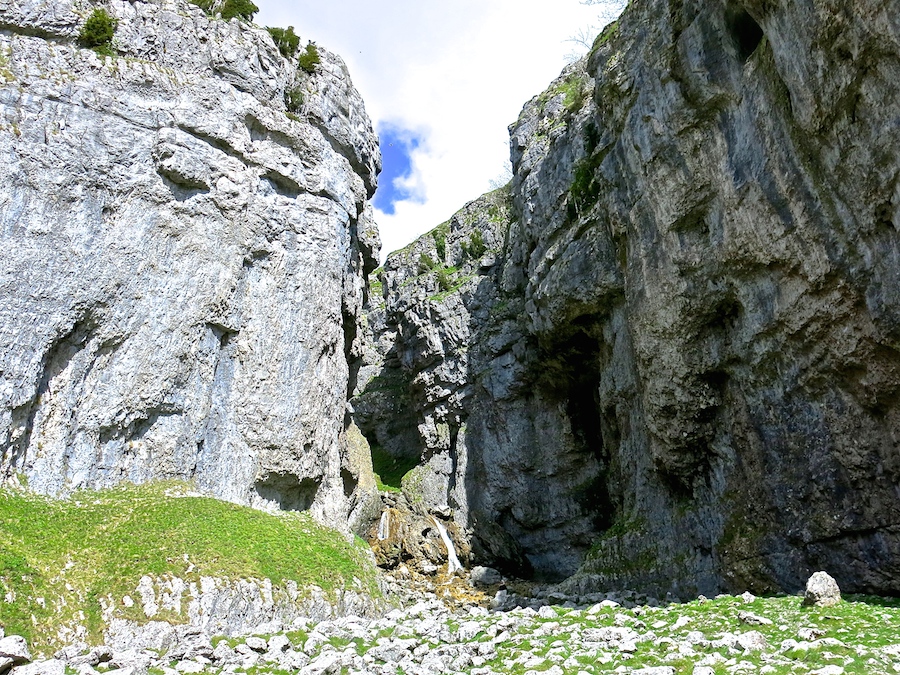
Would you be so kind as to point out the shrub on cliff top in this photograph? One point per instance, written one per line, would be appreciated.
(228, 9)
(97, 32)
(310, 58)
(243, 9)
(287, 41)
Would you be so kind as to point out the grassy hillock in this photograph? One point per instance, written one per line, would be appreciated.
(59, 559)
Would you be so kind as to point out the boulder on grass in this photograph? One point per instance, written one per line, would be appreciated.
(822, 591)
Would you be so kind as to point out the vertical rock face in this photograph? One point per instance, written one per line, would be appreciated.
(182, 261)
(687, 375)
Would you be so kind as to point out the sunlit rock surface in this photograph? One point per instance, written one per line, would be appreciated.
(183, 263)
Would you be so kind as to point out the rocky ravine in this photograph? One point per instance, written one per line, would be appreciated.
(676, 364)
(183, 263)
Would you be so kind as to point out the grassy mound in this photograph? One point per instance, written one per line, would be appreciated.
(389, 470)
(59, 559)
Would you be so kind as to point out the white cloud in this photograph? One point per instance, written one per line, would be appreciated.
(458, 71)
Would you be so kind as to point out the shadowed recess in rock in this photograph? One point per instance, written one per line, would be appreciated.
(287, 491)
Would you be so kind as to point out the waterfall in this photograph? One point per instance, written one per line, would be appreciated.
(453, 563)
(384, 526)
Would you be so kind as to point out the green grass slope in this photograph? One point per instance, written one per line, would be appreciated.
(60, 558)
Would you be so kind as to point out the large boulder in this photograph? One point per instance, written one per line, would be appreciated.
(822, 591)
(13, 651)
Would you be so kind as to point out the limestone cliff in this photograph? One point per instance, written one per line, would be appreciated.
(680, 369)
(183, 259)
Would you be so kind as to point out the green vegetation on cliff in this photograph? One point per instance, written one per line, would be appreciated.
(62, 557)
(309, 59)
(98, 31)
(287, 41)
(229, 9)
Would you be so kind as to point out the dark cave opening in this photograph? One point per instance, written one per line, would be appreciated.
(349, 482)
(573, 374)
(584, 411)
(746, 33)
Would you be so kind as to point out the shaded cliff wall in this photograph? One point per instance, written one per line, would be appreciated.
(183, 262)
(690, 382)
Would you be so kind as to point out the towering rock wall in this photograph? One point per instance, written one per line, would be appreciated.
(183, 262)
(687, 374)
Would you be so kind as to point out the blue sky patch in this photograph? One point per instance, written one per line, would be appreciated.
(396, 147)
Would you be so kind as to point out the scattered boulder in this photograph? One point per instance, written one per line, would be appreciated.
(51, 667)
(753, 619)
(810, 633)
(95, 656)
(278, 644)
(189, 667)
(15, 648)
(131, 670)
(822, 591)
(485, 576)
(84, 669)
(829, 670)
(752, 641)
(257, 644)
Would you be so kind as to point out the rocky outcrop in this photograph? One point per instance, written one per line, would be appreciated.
(219, 607)
(184, 259)
(681, 370)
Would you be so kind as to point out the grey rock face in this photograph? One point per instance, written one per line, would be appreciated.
(183, 263)
(687, 353)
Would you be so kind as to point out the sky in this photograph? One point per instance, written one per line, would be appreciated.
(441, 81)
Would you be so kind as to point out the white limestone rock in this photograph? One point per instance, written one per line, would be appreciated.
(15, 648)
(183, 264)
(822, 590)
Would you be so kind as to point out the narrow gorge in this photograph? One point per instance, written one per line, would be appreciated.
(663, 360)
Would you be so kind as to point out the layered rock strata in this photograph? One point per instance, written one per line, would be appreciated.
(682, 368)
(183, 258)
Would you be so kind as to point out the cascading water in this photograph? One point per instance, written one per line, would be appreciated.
(384, 526)
(453, 563)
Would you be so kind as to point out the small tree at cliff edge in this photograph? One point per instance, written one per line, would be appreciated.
(310, 58)
(228, 9)
(244, 9)
(97, 32)
(287, 41)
